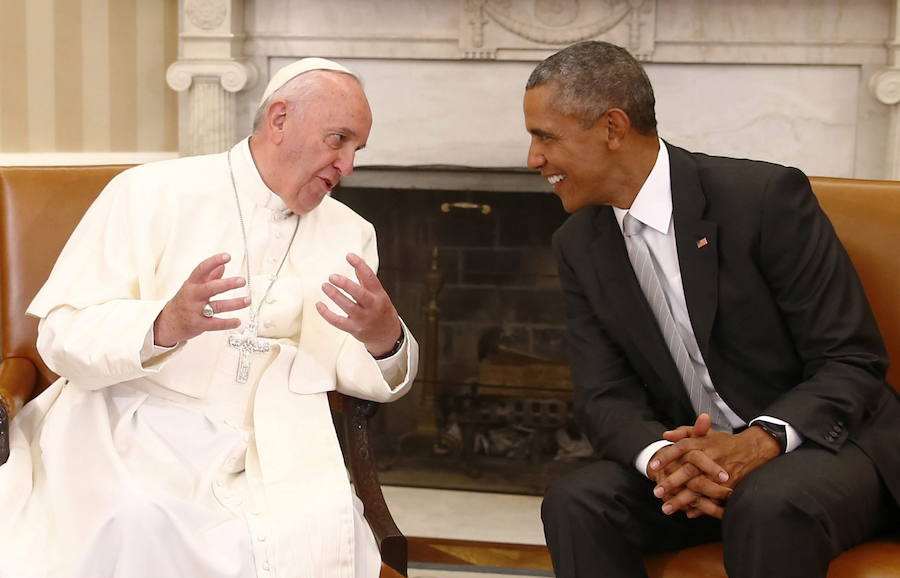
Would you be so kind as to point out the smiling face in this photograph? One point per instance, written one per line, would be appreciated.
(576, 160)
(309, 141)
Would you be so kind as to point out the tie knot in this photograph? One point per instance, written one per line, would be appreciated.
(631, 226)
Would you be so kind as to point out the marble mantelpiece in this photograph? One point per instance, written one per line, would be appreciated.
(791, 82)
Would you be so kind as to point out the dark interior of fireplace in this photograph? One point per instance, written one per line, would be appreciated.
(473, 276)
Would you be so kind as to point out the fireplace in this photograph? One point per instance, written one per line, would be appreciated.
(468, 263)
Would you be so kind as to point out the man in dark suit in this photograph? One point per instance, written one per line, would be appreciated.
(728, 370)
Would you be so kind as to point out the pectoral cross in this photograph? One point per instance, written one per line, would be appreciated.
(246, 343)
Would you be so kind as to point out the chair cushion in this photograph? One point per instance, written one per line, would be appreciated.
(875, 559)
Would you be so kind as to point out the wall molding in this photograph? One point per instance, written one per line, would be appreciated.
(80, 159)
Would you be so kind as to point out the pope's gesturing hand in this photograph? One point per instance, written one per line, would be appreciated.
(371, 316)
(190, 312)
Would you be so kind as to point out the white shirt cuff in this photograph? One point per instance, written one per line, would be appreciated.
(643, 458)
(393, 368)
(794, 439)
(149, 349)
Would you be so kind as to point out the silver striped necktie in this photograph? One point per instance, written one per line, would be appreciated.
(648, 278)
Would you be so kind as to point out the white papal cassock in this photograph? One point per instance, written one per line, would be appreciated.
(139, 464)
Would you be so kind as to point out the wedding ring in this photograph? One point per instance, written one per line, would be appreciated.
(208, 310)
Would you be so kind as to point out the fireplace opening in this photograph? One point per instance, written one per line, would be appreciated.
(472, 274)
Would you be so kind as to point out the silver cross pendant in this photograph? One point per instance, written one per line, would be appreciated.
(247, 344)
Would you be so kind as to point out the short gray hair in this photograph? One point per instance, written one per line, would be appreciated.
(592, 77)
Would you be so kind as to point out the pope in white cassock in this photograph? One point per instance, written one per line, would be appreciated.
(190, 434)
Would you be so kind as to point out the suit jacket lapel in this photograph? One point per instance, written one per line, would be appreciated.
(697, 245)
(622, 290)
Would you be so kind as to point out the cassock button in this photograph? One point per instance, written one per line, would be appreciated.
(277, 234)
(261, 537)
(268, 323)
(266, 566)
(270, 300)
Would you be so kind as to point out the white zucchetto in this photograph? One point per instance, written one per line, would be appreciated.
(297, 68)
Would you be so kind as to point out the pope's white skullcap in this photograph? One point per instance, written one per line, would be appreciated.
(297, 68)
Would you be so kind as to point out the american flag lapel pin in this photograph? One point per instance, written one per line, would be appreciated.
(702, 243)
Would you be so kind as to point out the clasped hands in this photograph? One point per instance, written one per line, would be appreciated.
(371, 316)
(698, 472)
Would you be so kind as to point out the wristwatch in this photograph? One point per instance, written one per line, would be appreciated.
(776, 431)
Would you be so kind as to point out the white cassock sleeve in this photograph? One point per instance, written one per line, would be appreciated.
(94, 314)
(356, 366)
(395, 368)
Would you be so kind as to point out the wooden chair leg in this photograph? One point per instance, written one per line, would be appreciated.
(391, 542)
(4, 434)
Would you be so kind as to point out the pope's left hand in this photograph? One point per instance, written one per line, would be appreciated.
(371, 316)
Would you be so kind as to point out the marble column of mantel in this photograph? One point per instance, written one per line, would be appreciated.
(885, 85)
(210, 69)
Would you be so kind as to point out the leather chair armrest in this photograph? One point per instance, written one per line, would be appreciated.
(17, 379)
(391, 542)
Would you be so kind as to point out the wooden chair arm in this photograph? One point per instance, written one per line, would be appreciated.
(388, 572)
(363, 468)
(17, 380)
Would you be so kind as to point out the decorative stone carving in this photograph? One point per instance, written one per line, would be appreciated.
(234, 75)
(210, 71)
(211, 108)
(211, 117)
(206, 14)
(885, 86)
(556, 12)
(554, 23)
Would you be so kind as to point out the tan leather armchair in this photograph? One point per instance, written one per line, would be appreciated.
(866, 216)
(39, 208)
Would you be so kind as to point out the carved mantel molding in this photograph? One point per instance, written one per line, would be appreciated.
(848, 53)
(491, 26)
(234, 75)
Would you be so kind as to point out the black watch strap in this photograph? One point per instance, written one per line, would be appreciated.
(397, 345)
(775, 430)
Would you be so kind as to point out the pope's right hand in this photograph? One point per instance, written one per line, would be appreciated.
(182, 318)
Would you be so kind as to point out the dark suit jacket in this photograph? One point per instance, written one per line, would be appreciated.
(776, 306)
